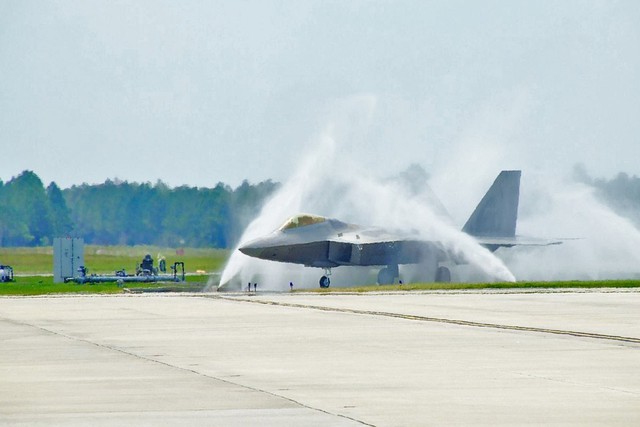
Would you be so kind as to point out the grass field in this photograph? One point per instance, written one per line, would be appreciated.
(107, 259)
(43, 285)
(33, 268)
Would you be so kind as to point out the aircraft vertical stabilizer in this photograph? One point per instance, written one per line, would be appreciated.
(497, 212)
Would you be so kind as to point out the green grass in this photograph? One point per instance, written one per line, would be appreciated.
(29, 263)
(33, 268)
(29, 260)
(43, 285)
(501, 285)
(107, 259)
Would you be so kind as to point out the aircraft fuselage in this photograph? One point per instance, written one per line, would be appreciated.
(332, 243)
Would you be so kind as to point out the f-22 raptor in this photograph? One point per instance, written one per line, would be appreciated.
(316, 241)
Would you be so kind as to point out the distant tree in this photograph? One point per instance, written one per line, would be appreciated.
(13, 229)
(246, 203)
(119, 212)
(622, 193)
(100, 212)
(26, 210)
(60, 214)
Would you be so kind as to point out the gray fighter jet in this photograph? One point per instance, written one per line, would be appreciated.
(316, 241)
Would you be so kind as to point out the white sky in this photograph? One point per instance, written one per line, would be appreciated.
(197, 92)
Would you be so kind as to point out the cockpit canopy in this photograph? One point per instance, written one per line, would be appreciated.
(301, 220)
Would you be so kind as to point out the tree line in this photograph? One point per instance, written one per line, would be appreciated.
(122, 213)
(621, 193)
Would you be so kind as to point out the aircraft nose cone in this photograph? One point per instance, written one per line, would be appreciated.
(250, 250)
(268, 247)
(256, 247)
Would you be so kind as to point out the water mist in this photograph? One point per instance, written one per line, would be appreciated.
(331, 181)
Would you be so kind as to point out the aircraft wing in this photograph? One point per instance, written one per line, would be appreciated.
(317, 241)
(374, 246)
(493, 243)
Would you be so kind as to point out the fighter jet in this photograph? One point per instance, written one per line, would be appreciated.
(316, 241)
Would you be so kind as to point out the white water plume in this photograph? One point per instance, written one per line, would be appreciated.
(331, 182)
(606, 245)
(596, 244)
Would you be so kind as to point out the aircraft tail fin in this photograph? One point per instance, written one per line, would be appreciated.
(497, 212)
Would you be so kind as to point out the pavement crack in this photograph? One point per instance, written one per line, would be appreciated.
(445, 320)
(181, 368)
(563, 381)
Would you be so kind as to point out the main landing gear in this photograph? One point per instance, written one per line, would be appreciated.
(388, 275)
(324, 280)
(443, 275)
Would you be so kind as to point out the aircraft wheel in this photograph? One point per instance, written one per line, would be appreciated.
(385, 276)
(443, 274)
(324, 282)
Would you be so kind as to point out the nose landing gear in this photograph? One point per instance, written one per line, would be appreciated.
(324, 280)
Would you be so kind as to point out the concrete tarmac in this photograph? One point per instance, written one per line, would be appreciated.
(447, 358)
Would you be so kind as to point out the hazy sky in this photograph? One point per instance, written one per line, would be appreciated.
(197, 92)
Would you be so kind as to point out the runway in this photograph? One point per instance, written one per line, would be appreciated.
(432, 358)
